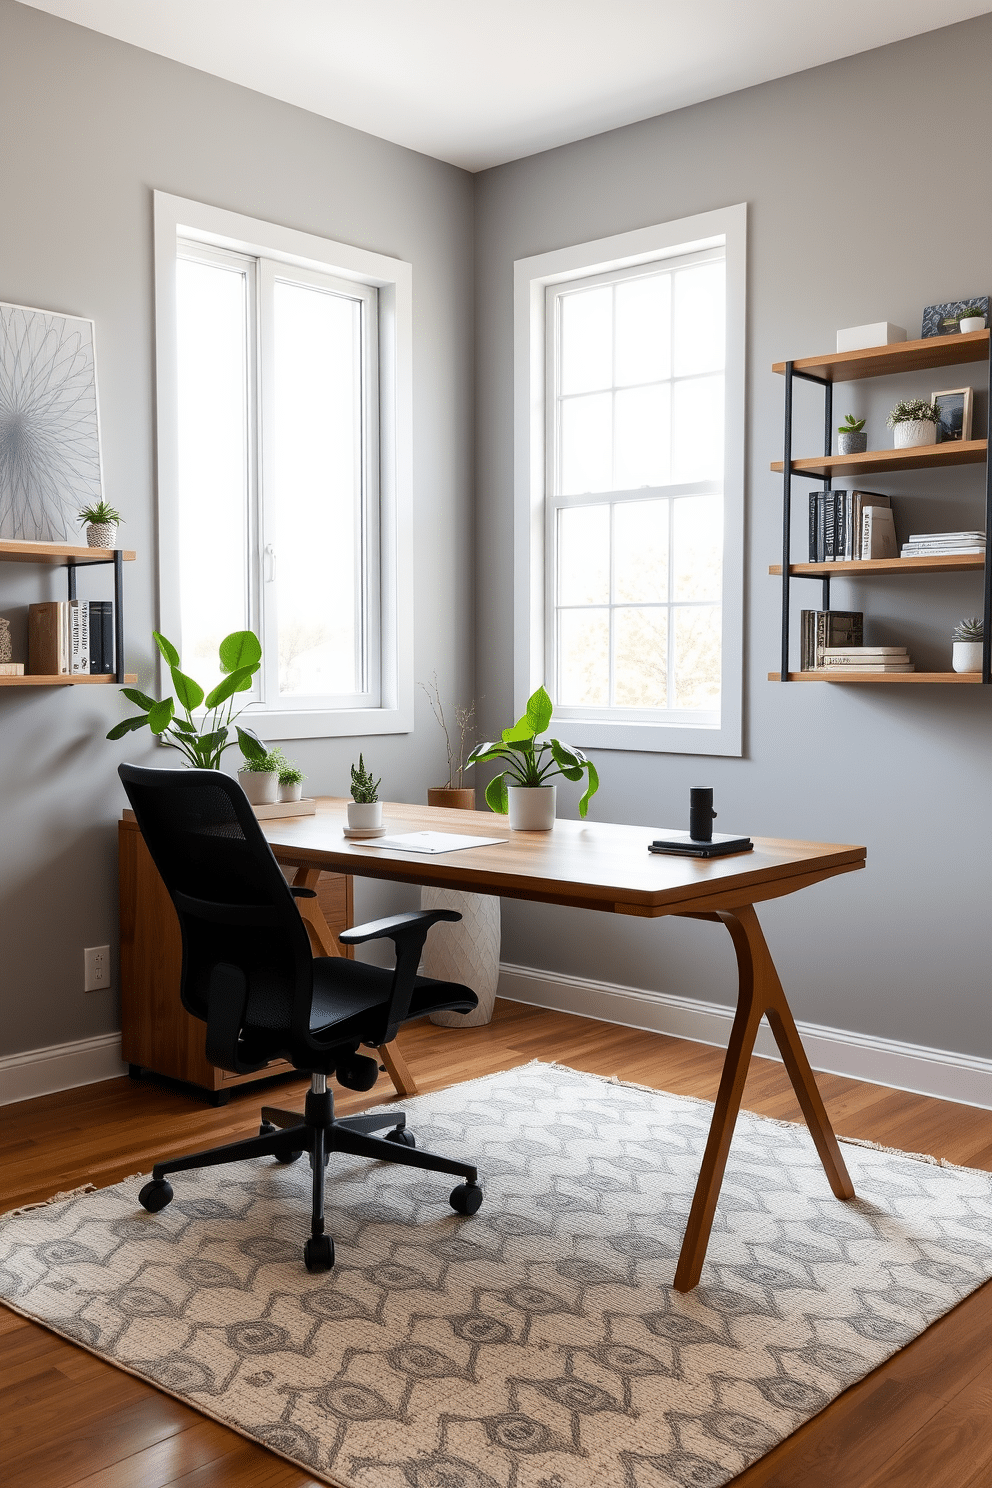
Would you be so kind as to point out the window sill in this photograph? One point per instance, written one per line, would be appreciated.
(275, 724)
(649, 738)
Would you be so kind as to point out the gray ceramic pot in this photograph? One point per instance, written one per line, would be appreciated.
(852, 444)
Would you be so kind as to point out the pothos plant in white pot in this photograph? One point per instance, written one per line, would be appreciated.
(522, 788)
(913, 422)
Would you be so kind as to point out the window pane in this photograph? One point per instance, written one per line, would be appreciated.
(584, 555)
(317, 498)
(587, 340)
(213, 461)
(697, 656)
(641, 658)
(643, 433)
(640, 551)
(584, 658)
(643, 320)
(698, 536)
(697, 429)
(586, 444)
(699, 317)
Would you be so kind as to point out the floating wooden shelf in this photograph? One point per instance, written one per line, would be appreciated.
(57, 553)
(950, 564)
(83, 680)
(888, 361)
(886, 678)
(922, 457)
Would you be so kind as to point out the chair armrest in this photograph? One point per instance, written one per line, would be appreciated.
(396, 927)
(299, 892)
(408, 933)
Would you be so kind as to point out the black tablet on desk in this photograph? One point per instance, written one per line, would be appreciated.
(683, 846)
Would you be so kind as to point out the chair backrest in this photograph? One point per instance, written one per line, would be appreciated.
(234, 905)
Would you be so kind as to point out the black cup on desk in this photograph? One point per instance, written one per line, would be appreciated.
(701, 814)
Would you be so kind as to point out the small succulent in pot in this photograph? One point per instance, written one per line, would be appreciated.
(972, 318)
(291, 780)
(913, 422)
(259, 774)
(102, 521)
(365, 808)
(851, 439)
(969, 645)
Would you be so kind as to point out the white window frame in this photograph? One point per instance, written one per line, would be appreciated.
(725, 228)
(179, 219)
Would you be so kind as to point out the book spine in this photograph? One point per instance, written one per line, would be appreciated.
(812, 527)
(821, 525)
(830, 530)
(107, 638)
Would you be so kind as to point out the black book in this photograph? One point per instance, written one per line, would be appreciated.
(821, 526)
(102, 637)
(684, 846)
(813, 526)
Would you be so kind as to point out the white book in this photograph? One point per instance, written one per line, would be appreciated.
(969, 535)
(79, 636)
(869, 666)
(65, 643)
(866, 653)
(946, 542)
(908, 552)
(878, 533)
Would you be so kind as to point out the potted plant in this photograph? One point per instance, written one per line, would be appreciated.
(291, 779)
(102, 522)
(259, 775)
(528, 798)
(364, 808)
(971, 319)
(201, 742)
(851, 440)
(968, 638)
(455, 793)
(913, 422)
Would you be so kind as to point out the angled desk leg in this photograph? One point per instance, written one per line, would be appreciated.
(760, 994)
(324, 944)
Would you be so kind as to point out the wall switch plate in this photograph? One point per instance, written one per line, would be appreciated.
(96, 968)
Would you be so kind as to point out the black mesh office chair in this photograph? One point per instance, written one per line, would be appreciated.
(249, 974)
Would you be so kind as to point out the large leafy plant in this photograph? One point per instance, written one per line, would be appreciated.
(202, 742)
(530, 761)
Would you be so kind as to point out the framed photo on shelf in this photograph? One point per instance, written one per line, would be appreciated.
(953, 408)
(942, 320)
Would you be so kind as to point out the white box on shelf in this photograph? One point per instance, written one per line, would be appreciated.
(880, 333)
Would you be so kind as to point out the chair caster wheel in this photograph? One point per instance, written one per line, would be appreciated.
(402, 1136)
(155, 1195)
(466, 1198)
(267, 1130)
(318, 1253)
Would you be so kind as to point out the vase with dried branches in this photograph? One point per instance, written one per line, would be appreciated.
(458, 736)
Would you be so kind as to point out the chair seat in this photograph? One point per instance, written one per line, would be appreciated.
(344, 993)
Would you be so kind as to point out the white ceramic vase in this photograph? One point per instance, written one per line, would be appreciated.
(364, 816)
(966, 656)
(532, 807)
(291, 792)
(260, 786)
(912, 432)
(466, 952)
(101, 535)
(972, 323)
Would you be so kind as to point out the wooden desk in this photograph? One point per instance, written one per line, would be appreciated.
(595, 865)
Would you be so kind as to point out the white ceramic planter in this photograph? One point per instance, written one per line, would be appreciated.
(466, 952)
(293, 792)
(912, 432)
(973, 323)
(364, 816)
(966, 656)
(532, 807)
(101, 535)
(260, 786)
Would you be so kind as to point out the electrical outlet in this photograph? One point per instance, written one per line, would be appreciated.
(96, 968)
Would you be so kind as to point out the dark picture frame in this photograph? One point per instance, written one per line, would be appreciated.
(954, 409)
(941, 320)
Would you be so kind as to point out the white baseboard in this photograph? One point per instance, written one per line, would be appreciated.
(60, 1067)
(963, 1078)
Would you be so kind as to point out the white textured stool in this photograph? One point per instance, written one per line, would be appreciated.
(466, 952)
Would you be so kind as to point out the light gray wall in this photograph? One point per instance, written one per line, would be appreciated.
(866, 202)
(89, 127)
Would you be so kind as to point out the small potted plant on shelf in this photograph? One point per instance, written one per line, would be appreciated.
(102, 521)
(521, 788)
(971, 319)
(913, 422)
(259, 775)
(364, 808)
(455, 794)
(291, 779)
(968, 638)
(851, 438)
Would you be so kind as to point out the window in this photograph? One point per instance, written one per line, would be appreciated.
(629, 485)
(283, 417)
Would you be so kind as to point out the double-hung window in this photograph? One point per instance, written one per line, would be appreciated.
(279, 441)
(629, 486)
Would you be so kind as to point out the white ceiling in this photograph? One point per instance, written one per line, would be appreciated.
(479, 82)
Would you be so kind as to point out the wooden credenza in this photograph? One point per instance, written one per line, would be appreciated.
(157, 1033)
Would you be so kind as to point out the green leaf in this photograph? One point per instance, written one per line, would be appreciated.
(238, 681)
(241, 648)
(496, 796)
(189, 692)
(251, 745)
(167, 649)
(160, 716)
(567, 759)
(539, 711)
(184, 727)
(492, 749)
(210, 743)
(140, 698)
(128, 726)
(520, 730)
(591, 788)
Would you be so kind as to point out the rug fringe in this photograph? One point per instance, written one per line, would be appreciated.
(67, 1193)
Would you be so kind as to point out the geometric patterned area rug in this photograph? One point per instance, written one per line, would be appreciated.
(538, 1344)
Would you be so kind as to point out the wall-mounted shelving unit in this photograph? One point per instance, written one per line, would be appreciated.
(850, 366)
(63, 555)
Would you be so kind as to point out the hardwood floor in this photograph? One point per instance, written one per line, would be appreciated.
(72, 1421)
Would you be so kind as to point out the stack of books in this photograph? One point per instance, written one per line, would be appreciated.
(944, 544)
(847, 525)
(866, 659)
(71, 637)
(820, 629)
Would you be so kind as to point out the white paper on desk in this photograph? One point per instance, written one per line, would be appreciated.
(431, 842)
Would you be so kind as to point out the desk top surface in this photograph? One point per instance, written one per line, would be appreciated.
(590, 864)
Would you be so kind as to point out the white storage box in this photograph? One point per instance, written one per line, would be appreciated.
(881, 333)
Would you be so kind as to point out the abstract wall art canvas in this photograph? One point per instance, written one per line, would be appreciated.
(49, 433)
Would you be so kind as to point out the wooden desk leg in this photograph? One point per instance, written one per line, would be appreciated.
(324, 944)
(760, 993)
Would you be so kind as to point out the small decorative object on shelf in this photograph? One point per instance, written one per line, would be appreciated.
(879, 333)
(945, 320)
(972, 319)
(953, 413)
(913, 422)
(968, 638)
(102, 521)
(944, 544)
(6, 649)
(455, 794)
(291, 779)
(529, 799)
(364, 808)
(851, 438)
(259, 775)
